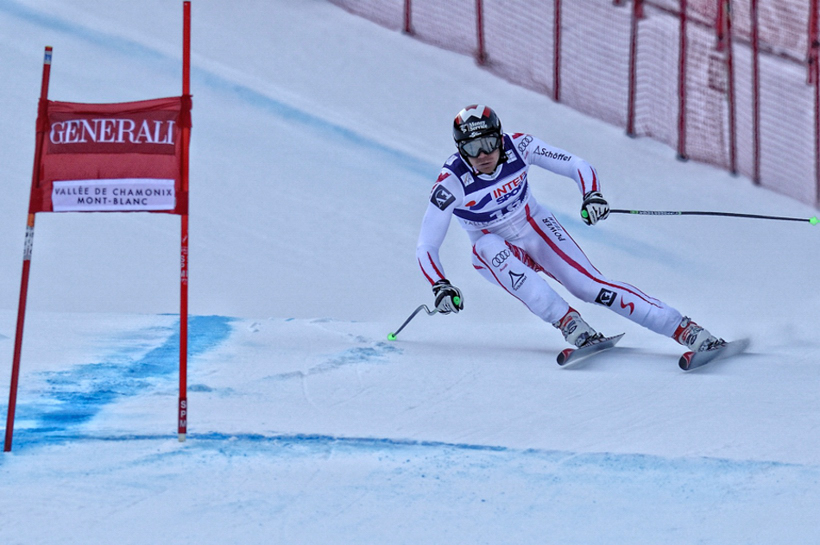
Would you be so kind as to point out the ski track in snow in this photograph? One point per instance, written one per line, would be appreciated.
(55, 413)
(460, 475)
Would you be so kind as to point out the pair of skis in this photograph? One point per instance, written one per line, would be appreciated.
(687, 362)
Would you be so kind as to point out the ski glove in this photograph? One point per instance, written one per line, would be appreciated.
(594, 208)
(448, 297)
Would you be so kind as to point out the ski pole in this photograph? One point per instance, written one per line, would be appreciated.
(813, 220)
(392, 336)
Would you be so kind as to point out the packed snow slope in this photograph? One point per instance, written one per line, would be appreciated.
(317, 136)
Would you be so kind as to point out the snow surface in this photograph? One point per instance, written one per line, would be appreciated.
(317, 136)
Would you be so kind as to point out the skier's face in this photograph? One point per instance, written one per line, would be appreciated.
(485, 163)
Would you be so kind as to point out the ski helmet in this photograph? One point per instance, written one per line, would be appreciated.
(477, 128)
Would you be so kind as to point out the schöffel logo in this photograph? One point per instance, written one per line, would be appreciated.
(552, 154)
(606, 297)
(442, 198)
(517, 280)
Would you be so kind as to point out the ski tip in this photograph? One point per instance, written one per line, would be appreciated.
(563, 355)
(693, 360)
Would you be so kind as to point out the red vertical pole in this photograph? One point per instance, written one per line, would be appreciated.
(633, 64)
(183, 276)
(18, 338)
(408, 17)
(817, 141)
(811, 54)
(21, 308)
(730, 73)
(556, 53)
(814, 79)
(720, 25)
(481, 54)
(755, 90)
(682, 84)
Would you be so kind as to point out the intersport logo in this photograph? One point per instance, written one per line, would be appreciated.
(149, 132)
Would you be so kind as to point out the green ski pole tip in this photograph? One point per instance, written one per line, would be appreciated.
(584, 214)
(813, 220)
(457, 300)
(391, 336)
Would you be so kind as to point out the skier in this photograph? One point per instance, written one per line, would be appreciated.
(485, 186)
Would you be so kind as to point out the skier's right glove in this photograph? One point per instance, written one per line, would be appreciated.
(448, 297)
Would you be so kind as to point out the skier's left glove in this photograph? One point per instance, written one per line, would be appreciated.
(448, 297)
(594, 208)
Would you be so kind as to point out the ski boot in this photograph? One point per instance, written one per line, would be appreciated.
(694, 337)
(575, 330)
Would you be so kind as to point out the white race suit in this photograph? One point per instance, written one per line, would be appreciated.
(514, 237)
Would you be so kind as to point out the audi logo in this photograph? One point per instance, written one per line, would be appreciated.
(501, 257)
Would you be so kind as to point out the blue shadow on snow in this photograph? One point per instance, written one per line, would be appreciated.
(74, 396)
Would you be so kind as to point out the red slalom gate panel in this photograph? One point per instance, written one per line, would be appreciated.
(122, 157)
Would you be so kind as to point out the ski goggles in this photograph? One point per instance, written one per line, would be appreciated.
(482, 144)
